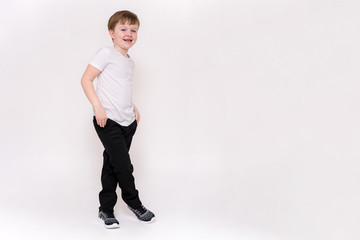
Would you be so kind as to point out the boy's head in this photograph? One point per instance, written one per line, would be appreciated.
(123, 17)
(123, 27)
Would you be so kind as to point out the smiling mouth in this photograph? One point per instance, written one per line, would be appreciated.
(127, 40)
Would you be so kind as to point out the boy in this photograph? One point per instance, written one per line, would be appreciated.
(116, 118)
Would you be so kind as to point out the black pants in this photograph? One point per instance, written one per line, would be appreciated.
(117, 167)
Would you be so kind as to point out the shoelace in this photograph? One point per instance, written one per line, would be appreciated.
(137, 211)
(108, 216)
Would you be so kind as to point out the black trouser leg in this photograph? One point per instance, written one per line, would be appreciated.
(107, 195)
(117, 167)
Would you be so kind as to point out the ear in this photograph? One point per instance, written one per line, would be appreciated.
(111, 33)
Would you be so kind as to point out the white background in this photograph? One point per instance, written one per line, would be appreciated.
(249, 130)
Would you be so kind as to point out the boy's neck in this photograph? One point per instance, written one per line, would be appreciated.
(124, 52)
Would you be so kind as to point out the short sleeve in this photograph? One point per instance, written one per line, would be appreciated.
(101, 59)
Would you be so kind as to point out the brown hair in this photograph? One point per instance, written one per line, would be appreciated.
(123, 17)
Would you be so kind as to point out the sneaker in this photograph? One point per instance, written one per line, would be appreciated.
(109, 220)
(143, 214)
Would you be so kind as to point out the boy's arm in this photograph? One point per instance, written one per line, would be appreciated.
(87, 84)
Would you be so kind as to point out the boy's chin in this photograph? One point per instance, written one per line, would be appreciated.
(128, 46)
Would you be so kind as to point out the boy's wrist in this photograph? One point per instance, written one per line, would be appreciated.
(97, 106)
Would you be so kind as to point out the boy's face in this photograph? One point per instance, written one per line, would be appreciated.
(124, 36)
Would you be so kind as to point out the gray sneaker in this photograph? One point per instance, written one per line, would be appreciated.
(109, 220)
(143, 214)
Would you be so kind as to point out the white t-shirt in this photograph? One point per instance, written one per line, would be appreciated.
(114, 84)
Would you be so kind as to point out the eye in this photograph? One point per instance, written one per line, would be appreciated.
(134, 31)
(123, 29)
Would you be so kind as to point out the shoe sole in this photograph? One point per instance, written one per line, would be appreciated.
(148, 222)
(112, 226)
